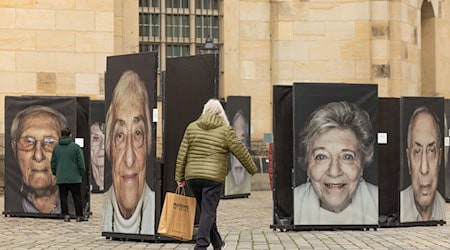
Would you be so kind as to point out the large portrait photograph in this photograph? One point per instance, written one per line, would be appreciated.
(238, 181)
(97, 142)
(32, 129)
(422, 182)
(335, 162)
(130, 96)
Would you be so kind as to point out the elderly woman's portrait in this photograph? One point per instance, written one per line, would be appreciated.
(97, 133)
(129, 145)
(97, 146)
(335, 147)
(238, 180)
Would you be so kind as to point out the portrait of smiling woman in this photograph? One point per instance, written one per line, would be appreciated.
(336, 145)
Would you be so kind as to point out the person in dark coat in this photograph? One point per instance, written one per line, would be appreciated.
(68, 167)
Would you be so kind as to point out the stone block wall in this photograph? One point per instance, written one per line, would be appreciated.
(246, 62)
(286, 41)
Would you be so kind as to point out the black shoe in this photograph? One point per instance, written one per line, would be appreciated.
(221, 247)
(67, 218)
(81, 218)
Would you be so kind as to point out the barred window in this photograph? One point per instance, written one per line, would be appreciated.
(149, 3)
(177, 26)
(177, 4)
(149, 25)
(207, 26)
(177, 50)
(207, 4)
(148, 47)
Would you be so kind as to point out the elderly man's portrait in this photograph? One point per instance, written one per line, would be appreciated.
(238, 180)
(33, 128)
(336, 145)
(97, 137)
(421, 200)
(130, 202)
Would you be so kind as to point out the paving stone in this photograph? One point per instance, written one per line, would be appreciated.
(243, 224)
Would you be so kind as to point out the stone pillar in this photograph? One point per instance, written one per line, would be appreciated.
(380, 45)
(126, 26)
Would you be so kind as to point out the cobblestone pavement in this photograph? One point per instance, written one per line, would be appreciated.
(243, 223)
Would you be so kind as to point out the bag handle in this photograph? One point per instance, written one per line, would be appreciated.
(181, 191)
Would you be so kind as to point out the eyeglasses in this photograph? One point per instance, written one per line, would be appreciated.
(28, 143)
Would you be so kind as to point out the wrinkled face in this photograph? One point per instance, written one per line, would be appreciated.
(97, 145)
(129, 155)
(335, 168)
(34, 151)
(237, 170)
(423, 159)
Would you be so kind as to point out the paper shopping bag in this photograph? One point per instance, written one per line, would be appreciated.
(177, 216)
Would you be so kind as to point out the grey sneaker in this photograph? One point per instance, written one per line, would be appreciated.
(67, 218)
(81, 219)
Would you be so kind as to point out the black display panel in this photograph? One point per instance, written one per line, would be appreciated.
(389, 158)
(446, 148)
(190, 83)
(282, 155)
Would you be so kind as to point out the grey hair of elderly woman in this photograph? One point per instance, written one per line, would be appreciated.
(214, 106)
(339, 115)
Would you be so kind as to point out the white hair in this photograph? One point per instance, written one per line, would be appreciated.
(213, 106)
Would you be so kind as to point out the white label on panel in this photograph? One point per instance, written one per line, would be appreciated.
(446, 141)
(155, 115)
(80, 142)
(382, 138)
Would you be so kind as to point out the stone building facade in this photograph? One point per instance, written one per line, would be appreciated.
(60, 47)
(401, 45)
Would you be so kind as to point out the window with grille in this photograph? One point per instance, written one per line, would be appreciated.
(180, 4)
(207, 26)
(149, 25)
(207, 4)
(184, 27)
(177, 26)
(149, 3)
(148, 47)
(177, 50)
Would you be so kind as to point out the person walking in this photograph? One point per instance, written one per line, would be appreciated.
(68, 166)
(202, 163)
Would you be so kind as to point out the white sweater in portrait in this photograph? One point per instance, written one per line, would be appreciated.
(363, 210)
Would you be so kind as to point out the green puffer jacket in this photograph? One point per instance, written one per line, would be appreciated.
(203, 152)
(67, 161)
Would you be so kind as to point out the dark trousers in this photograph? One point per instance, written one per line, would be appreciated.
(208, 194)
(75, 189)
